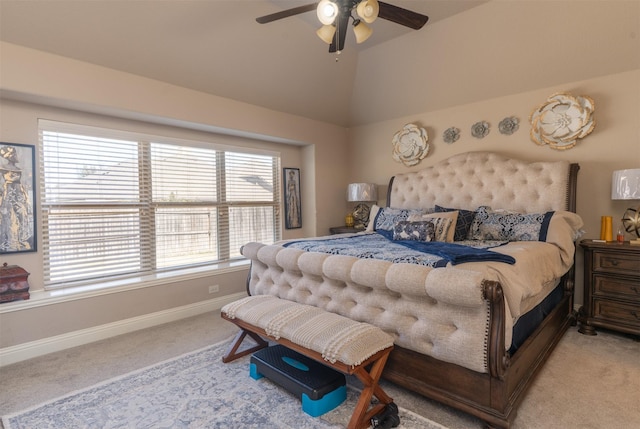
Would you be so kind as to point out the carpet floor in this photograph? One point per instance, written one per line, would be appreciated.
(588, 382)
(195, 390)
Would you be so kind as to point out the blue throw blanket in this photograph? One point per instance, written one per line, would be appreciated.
(380, 245)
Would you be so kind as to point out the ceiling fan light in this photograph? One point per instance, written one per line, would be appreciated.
(368, 10)
(327, 12)
(326, 33)
(362, 31)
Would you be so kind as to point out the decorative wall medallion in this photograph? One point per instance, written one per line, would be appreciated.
(509, 125)
(480, 129)
(451, 135)
(562, 120)
(410, 145)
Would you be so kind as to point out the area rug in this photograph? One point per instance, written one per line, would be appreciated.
(195, 390)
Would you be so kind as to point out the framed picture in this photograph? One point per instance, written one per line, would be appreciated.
(17, 198)
(292, 206)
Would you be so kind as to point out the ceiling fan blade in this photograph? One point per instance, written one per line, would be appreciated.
(286, 13)
(402, 16)
(341, 33)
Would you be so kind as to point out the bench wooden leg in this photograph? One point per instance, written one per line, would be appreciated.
(360, 419)
(232, 351)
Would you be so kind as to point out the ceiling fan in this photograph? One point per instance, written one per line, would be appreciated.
(335, 15)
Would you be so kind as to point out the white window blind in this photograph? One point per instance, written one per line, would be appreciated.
(119, 204)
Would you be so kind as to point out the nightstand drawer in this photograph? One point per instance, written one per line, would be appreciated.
(611, 287)
(614, 286)
(616, 312)
(616, 262)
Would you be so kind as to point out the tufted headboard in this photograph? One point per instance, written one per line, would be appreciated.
(473, 179)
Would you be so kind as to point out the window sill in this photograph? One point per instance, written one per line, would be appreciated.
(41, 298)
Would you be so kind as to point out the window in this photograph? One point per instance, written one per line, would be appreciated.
(117, 204)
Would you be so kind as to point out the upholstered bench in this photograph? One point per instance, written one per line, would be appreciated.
(334, 340)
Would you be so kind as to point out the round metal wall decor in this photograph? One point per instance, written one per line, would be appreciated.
(480, 129)
(508, 125)
(410, 145)
(562, 121)
(451, 135)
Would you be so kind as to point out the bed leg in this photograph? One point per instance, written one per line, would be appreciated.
(233, 354)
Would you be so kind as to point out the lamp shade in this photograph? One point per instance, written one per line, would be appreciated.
(362, 31)
(368, 10)
(362, 192)
(625, 184)
(326, 33)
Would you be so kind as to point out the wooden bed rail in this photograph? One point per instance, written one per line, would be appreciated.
(498, 357)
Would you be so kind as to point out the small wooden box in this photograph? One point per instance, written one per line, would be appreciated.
(13, 283)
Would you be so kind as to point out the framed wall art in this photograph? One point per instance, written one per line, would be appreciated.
(17, 198)
(292, 204)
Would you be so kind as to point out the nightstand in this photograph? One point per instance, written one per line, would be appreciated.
(344, 229)
(611, 287)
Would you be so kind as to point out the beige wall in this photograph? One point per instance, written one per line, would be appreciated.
(495, 60)
(614, 144)
(37, 85)
(499, 59)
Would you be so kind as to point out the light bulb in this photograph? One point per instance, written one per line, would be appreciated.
(327, 12)
(368, 10)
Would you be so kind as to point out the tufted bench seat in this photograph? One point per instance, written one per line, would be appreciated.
(336, 341)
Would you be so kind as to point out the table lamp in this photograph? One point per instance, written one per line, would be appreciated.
(625, 185)
(361, 193)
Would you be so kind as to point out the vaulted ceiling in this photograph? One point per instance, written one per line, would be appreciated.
(213, 46)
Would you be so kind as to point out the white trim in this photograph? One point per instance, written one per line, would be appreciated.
(20, 352)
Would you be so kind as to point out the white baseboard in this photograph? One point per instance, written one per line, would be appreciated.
(20, 352)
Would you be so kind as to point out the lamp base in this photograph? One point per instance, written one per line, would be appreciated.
(631, 221)
(361, 216)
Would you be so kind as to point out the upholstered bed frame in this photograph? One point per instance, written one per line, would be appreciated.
(448, 324)
(468, 181)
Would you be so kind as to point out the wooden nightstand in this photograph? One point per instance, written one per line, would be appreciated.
(344, 229)
(611, 287)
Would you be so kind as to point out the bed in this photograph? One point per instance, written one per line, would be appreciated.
(476, 319)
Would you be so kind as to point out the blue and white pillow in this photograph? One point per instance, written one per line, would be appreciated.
(510, 226)
(387, 217)
(417, 231)
(463, 223)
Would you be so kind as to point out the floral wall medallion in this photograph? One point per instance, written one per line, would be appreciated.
(509, 125)
(410, 145)
(480, 129)
(562, 120)
(451, 135)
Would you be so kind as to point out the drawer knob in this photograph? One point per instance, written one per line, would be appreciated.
(614, 262)
(635, 289)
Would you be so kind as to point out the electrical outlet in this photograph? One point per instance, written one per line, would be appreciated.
(214, 289)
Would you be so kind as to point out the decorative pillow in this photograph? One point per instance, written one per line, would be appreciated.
(444, 224)
(511, 226)
(417, 231)
(463, 224)
(387, 217)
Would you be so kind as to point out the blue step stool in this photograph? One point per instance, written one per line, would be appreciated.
(321, 388)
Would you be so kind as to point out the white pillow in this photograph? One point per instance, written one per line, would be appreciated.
(444, 223)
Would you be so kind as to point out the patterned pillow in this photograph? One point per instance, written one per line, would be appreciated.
(444, 223)
(417, 231)
(463, 224)
(511, 226)
(387, 217)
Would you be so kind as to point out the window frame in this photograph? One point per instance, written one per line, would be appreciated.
(149, 264)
